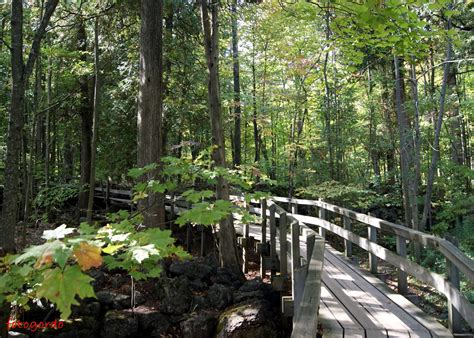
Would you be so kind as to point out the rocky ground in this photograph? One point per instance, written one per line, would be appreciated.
(194, 298)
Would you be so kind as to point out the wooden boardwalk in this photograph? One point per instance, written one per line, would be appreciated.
(355, 303)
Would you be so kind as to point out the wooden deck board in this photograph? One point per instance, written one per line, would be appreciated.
(404, 309)
(376, 302)
(380, 315)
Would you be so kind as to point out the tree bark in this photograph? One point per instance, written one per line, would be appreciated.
(228, 252)
(86, 124)
(439, 121)
(237, 142)
(150, 104)
(95, 119)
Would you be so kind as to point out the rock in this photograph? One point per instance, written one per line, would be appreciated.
(220, 296)
(252, 285)
(91, 309)
(193, 269)
(240, 297)
(247, 320)
(14, 334)
(99, 278)
(118, 280)
(86, 326)
(198, 285)
(200, 303)
(151, 319)
(119, 323)
(198, 326)
(106, 297)
(118, 301)
(175, 295)
(226, 277)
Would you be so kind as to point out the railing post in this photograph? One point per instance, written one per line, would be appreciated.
(263, 245)
(310, 239)
(272, 235)
(283, 246)
(263, 206)
(245, 248)
(347, 244)
(296, 274)
(322, 215)
(294, 207)
(402, 275)
(454, 318)
(373, 261)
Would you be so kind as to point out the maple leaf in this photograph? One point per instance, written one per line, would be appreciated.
(62, 287)
(43, 253)
(88, 256)
(59, 232)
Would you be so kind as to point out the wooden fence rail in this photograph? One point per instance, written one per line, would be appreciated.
(458, 305)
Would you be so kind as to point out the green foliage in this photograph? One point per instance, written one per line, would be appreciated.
(56, 270)
(347, 195)
(56, 196)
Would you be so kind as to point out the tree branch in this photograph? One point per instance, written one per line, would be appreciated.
(39, 34)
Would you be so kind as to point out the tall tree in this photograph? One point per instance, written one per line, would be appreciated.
(86, 112)
(21, 72)
(437, 133)
(237, 142)
(150, 103)
(227, 240)
(95, 119)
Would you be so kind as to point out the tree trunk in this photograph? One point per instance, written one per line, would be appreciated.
(237, 142)
(254, 109)
(435, 147)
(228, 252)
(86, 125)
(408, 175)
(150, 104)
(95, 120)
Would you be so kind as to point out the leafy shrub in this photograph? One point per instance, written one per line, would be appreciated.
(56, 196)
(346, 195)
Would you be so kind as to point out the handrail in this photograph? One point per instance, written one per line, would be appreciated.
(451, 252)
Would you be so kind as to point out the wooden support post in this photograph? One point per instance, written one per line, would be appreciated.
(107, 194)
(245, 248)
(373, 260)
(283, 246)
(402, 275)
(347, 244)
(454, 318)
(264, 236)
(273, 235)
(294, 208)
(322, 215)
(309, 246)
(295, 259)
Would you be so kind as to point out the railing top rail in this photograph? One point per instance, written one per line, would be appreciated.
(450, 251)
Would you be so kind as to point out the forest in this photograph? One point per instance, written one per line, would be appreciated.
(367, 105)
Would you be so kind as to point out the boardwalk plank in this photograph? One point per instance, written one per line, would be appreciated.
(353, 289)
(377, 287)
